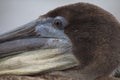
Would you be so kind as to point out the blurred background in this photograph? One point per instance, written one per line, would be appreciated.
(14, 13)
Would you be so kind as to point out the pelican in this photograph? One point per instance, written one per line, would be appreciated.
(79, 41)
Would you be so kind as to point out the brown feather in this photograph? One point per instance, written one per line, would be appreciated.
(95, 35)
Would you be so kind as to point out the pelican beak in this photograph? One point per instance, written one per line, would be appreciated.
(22, 39)
(26, 30)
(35, 47)
(31, 36)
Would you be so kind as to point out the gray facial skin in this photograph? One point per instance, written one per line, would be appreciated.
(46, 27)
(38, 34)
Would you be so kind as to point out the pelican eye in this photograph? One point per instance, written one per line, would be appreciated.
(60, 22)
